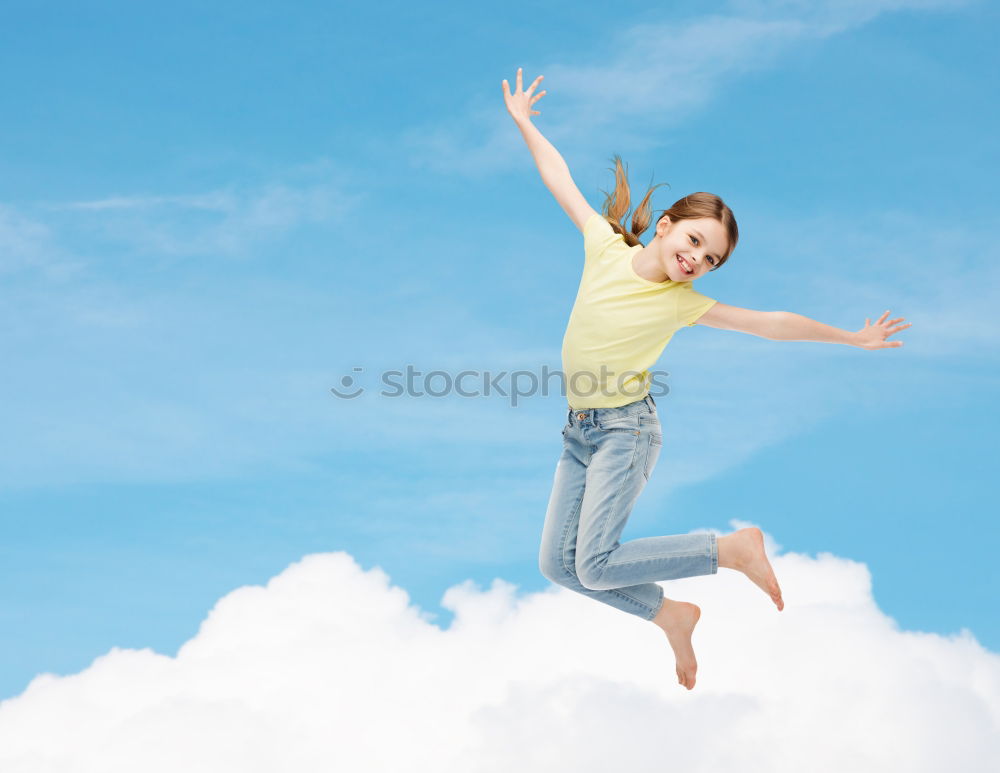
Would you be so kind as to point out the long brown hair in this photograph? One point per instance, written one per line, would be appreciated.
(694, 205)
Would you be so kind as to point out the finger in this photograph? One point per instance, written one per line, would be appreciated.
(534, 83)
(894, 321)
(867, 322)
(537, 96)
(886, 314)
(506, 88)
(535, 112)
(518, 78)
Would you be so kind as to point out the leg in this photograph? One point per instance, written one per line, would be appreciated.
(557, 556)
(616, 476)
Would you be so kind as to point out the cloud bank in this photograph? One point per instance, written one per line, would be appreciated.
(329, 667)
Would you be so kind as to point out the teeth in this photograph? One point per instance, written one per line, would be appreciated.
(684, 264)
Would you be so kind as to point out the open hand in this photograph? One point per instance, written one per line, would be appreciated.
(519, 103)
(873, 336)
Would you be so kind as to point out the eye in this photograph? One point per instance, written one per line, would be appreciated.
(694, 241)
(712, 261)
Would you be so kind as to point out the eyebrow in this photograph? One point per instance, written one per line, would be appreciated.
(717, 258)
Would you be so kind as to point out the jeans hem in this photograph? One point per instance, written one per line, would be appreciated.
(658, 604)
(713, 549)
(640, 604)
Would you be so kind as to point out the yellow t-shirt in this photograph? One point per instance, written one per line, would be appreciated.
(620, 323)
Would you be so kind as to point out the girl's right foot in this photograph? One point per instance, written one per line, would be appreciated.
(743, 551)
(677, 619)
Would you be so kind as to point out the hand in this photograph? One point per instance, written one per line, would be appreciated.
(873, 336)
(519, 103)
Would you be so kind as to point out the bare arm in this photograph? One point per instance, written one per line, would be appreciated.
(551, 165)
(789, 326)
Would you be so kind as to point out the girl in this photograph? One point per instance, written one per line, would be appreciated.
(632, 299)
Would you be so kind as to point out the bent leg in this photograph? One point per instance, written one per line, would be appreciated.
(557, 555)
(615, 479)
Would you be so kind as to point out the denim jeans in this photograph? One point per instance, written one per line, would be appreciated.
(608, 456)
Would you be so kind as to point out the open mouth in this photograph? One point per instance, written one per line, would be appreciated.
(685, 266)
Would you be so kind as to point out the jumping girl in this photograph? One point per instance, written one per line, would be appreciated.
(632, 299)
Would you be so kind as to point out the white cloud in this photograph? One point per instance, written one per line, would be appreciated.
(218, 201)
(831, 16)
(28, 245)
(329, 667)
(648, 76)
(226, 221)
(646, 81)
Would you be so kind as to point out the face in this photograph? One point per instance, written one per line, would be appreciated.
(689, 249)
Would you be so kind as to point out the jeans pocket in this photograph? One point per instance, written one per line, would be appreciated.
(652, 452)
(619, 424)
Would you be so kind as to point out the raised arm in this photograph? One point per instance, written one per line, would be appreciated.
(789, 326)
(551, 165)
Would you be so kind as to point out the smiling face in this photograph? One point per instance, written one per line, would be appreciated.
(688, 249)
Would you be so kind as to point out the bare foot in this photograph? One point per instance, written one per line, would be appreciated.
(678, 619)
(743, 551)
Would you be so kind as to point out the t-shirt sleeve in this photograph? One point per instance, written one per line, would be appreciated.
(598, 235)
(692, 305)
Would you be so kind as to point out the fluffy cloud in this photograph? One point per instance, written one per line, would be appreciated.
(329, 667)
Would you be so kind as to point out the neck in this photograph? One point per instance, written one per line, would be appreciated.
(646, 264)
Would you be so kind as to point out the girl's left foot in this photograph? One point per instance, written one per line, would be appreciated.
(677, 619)
(743, 551)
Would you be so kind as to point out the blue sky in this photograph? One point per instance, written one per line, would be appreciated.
(209, 216)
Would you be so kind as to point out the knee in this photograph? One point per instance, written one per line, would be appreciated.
(553, 570)
(589, 573)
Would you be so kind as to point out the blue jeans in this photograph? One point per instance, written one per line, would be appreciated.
(608, 456)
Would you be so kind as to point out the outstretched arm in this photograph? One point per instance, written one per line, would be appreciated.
(551, 165)
(788, 326)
